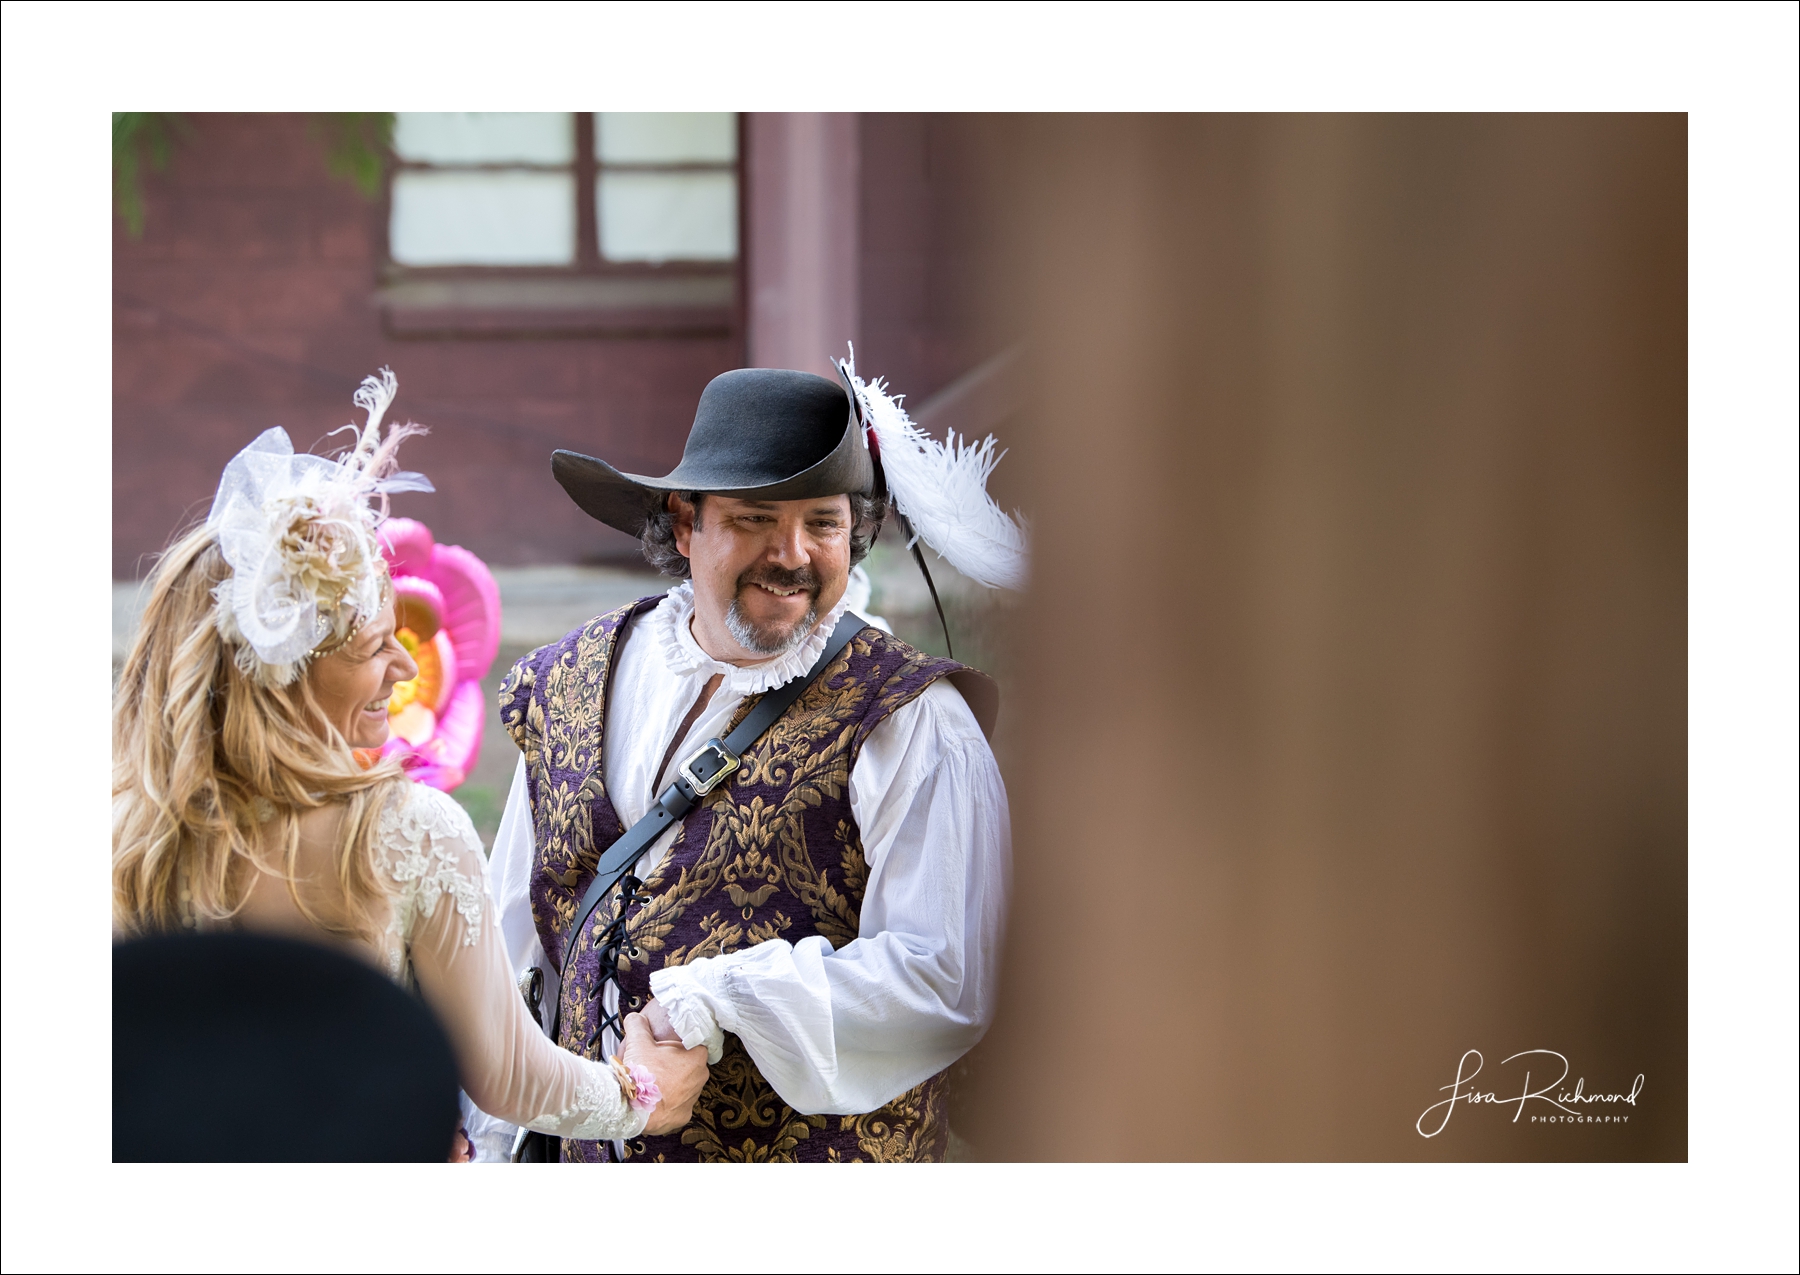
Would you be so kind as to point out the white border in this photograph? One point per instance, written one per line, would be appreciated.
(1733, 67)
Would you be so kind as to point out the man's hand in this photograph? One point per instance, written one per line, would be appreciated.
(680, 1073)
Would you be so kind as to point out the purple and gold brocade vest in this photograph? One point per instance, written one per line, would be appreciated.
(772, 854)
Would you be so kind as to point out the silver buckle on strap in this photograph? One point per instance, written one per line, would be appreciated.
(718, 762)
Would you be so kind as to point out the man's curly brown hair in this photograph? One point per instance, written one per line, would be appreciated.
(658, 536)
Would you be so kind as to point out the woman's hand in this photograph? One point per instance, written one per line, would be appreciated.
(680, 1074)
(658, 1018)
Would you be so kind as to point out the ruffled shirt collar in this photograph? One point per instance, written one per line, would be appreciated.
(670, 622)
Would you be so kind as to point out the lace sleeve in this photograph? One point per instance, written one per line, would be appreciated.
(448, 927)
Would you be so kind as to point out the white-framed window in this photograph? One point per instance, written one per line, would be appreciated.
(587, 192)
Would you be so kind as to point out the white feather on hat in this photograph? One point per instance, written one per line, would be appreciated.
(941, 489)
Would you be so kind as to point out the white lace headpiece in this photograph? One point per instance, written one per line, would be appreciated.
(299, 533)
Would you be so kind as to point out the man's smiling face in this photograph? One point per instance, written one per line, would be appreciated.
(764, 571)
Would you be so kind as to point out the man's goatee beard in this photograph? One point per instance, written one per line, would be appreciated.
(772, 639)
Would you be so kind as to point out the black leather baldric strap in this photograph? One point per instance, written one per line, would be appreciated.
(683, 795)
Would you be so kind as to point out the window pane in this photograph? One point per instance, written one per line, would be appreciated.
(483, 219)
(668, 216)
(645, 137)
(477, 137)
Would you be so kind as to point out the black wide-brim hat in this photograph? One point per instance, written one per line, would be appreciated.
(759, 434)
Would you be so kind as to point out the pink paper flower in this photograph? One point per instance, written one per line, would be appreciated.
(448, 611)
(645, 1093)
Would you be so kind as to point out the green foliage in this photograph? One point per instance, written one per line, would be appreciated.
(357, 144)
(140, 138)
(356, 147)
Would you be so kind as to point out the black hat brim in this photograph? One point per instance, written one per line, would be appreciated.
(626, 501)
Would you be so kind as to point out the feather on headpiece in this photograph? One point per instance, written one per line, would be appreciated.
(940, 489)
(300, 534)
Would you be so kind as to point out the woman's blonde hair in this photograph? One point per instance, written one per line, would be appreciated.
(211, 770)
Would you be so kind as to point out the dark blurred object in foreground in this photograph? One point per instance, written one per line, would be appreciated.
(238, 1047)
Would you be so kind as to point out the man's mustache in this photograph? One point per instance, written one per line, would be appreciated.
(775, 577)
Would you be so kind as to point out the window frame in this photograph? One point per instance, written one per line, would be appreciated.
(686, 297)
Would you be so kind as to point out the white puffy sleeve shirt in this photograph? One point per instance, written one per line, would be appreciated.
(834, 1031)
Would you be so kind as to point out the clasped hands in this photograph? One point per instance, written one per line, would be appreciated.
(651, 1041)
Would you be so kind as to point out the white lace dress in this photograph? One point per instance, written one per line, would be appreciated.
(443, 938)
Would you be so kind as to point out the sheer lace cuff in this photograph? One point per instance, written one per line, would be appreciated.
(684, 994)
(599, 1112)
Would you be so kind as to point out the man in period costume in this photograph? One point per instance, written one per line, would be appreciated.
(823, 909)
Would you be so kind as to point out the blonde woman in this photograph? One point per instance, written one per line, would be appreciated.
(265, 656)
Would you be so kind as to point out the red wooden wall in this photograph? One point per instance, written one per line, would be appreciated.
(248, 302)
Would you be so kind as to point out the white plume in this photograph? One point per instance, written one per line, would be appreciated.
(375, 395)
(942, 490)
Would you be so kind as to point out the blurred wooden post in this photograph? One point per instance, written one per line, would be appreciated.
(1356, 736)
(801, 170)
